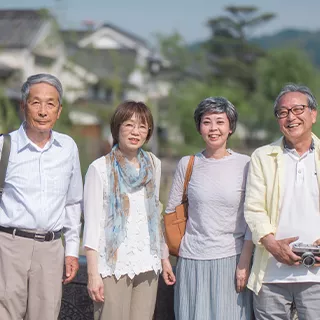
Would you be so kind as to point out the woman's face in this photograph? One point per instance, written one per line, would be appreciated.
(215, 130)
(132, 134)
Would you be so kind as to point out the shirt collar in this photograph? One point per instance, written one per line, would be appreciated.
(285, 145)
(23, 141)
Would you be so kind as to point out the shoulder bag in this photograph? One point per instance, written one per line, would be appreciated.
(175, 222)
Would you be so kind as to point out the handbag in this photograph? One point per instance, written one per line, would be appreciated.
(4, 161)
(175, 222)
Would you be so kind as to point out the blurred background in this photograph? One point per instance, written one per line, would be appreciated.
(169, 54)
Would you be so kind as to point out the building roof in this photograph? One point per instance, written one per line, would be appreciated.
(106, 63)
(19, 28)
(126, 33)
(72, 37)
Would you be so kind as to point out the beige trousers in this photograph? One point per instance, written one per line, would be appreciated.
(127, 299)
(30, 278)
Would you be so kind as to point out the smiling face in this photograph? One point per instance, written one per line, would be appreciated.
(132, 134)
(296, 128)
(42, 109)
(215, 130)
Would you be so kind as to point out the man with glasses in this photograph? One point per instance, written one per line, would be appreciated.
(282, 210)
(41, 200)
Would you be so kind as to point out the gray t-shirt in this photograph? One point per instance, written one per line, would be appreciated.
(216, 227)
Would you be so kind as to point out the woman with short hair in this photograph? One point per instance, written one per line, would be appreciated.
(122, 232)
(216, 250)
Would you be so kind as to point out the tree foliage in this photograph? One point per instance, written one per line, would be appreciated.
(187, 95)
(232, 55)
(9, 119)
(182, 59)
(281, 66)
(251, 85)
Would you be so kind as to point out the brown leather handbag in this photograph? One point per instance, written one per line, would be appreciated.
(175, 222)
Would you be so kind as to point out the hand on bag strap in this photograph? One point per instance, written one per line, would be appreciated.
(187, 177)
(4, 160)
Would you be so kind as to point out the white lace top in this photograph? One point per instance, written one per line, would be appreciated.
(134, 253)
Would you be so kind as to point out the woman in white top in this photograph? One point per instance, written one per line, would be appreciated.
(216, 250)
(122, 230)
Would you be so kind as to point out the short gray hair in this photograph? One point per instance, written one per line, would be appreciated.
(216, 105)
(292, 87)
(41, 78)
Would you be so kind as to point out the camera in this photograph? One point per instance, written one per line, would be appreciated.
(307, 252)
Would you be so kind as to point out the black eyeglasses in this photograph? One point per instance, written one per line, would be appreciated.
(284, 112)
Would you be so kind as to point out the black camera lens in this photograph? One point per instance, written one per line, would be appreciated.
(308, 259)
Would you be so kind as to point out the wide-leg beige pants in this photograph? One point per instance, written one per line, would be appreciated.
(30, 278)
(128, 299)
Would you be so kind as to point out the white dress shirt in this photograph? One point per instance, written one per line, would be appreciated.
(43, 187)
(299, 216)
(133, 255)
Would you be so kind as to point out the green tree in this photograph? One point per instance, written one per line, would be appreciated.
(184, 99)
(281, 66)
(9, 119)
(182, 60)
(232, 56)
(189, 73)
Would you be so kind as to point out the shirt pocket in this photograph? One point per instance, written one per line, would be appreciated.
(58, 181)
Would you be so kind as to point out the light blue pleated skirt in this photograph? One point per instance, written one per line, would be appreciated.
(205, 290)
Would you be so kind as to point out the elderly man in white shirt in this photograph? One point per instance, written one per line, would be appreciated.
(282, 209)
(42, 200)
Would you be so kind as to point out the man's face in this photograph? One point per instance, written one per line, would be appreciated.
(296, 128)
(42, 109)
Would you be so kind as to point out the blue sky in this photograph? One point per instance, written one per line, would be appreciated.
(188, 17)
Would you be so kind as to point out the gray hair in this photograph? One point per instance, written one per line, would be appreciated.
(292, 87)
(41, 78)
(216, 105)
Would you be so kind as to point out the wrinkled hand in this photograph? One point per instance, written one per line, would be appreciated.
(281, 249)
(167, 273)
(242, 275)
(95, 288)
(72, 267)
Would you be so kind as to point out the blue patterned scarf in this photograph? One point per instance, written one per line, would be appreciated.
(124, 178)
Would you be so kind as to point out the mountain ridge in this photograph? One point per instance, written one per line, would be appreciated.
(307, 40)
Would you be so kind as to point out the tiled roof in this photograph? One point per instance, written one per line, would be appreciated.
(18, 28)
(74, 36)
(126, 33)
(106, 63)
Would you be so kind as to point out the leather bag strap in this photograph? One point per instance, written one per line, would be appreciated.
(4, 160)
(187, 178)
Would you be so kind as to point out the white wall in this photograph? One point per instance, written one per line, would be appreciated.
(13, 57)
